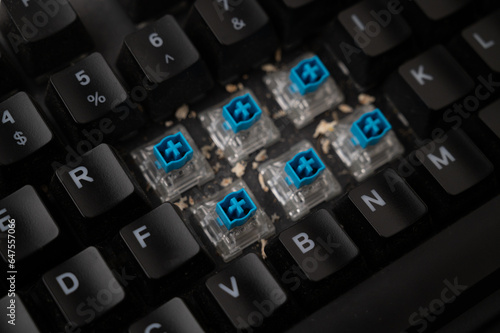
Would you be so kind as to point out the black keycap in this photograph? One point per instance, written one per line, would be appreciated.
(17, 318)
(247, 292)
(367, 34)
(455, 162)
(434, 21)
(162, 55)
(173, 316)
(98, 188)
(232, 36)
(43, 34)
(296, 19)
(388, 203)
(160, 241)
(407, 292)
(425, 85)
(491, 117)
(436, 78)
(319, 245)
(84, 287)
(88, 100)
(34, 225)
(442, 9)
(23, 130)
(484, 38)
(8, 79)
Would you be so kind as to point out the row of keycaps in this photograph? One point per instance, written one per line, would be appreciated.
(233, 36)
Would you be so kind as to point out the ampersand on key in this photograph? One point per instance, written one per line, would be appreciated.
(237, 23)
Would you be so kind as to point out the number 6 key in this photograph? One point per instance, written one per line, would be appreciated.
(161, 61)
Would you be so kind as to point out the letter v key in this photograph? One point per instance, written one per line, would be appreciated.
(234, 288)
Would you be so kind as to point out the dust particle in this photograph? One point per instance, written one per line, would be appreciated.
(239, 169)
(365, 99)
(263, 183)
(226, 182)
(182, 112)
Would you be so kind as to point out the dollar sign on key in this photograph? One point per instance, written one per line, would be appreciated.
(20, 138)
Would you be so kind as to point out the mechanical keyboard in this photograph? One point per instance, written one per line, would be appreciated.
(249, 166)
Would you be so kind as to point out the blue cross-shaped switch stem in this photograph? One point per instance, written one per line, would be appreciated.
(304, 168)
(370, 128)
(173, 152)
(235, 209)
(242, 111)
(309, 73)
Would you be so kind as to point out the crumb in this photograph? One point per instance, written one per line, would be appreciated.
(239, 169)
(205, 150)
(241, 86)
(261, 156)
(325, 146)
(335, 116)
(216, 167)
(279, 114)
(255, 165)
(182, 112)
(366, 99)
(192, 115)
(324, 127)
(277, 55)
(263, 183)
(263, 243)
(265, 110)
(226, 182)
(169, 123)
(275, 217)
(231, 88)
(182, 203)
(269, 68)
(219, 153)
(191, 201)
(345, 108)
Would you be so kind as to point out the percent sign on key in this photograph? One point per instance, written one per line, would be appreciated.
(96, 99)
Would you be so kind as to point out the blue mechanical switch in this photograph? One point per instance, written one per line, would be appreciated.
(235, 209)
(309, 75)
(242, 112)
(304, 168)
(370, 128)
(173, 152)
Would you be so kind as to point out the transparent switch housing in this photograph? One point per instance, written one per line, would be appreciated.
(297, 202)
(169, 186)
(302, 109)
(230, 243)
(238, 146)
(362, 162)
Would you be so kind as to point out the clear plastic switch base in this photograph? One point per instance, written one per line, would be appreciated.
(302, 109)
(297, 202)
(362, 162)
(230, 243)
(170, 185)
(240, 144)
